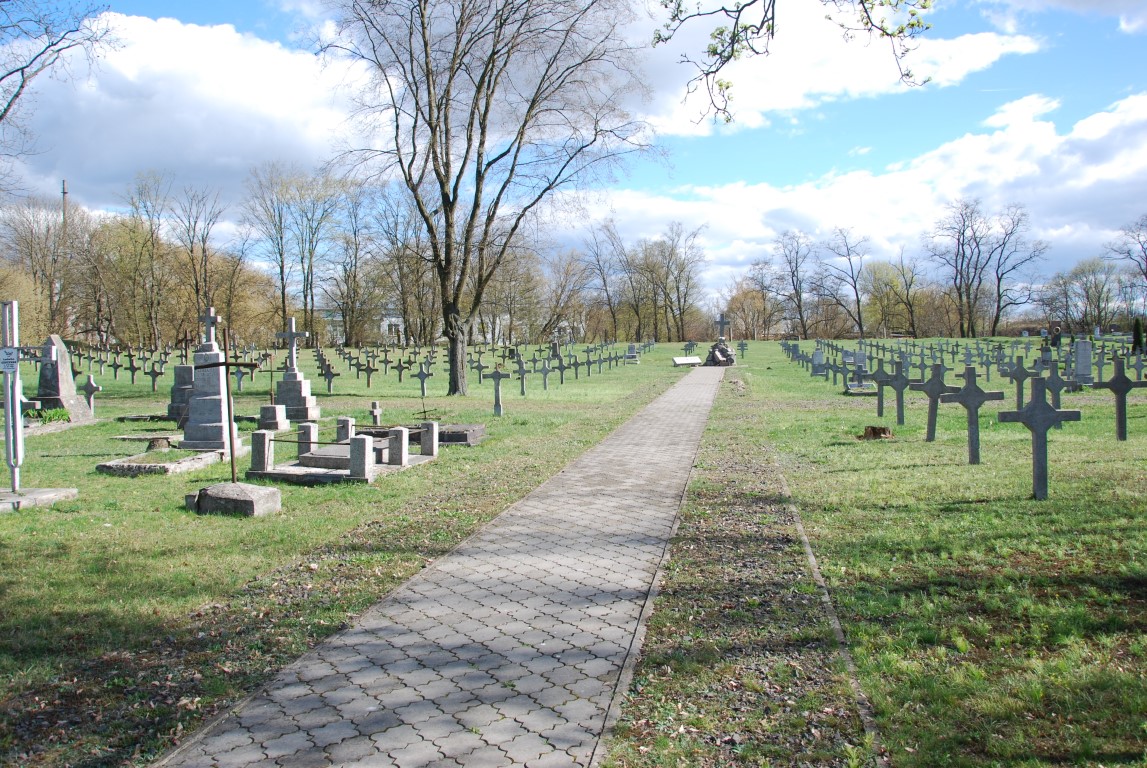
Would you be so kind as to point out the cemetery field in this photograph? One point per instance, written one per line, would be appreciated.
(986, 628)
(126, 621)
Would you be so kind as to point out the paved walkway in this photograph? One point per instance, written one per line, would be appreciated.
(510, 651)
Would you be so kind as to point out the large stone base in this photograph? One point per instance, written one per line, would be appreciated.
(242, 499)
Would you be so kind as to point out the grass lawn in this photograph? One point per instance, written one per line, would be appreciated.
(125, 620)
(987, 628)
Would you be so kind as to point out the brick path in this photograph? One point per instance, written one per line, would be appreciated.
(510, 650)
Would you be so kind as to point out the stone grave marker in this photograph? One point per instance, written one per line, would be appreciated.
(57, 386)
(1038, 416)
(293, 390)
(971, 396)
(934, 388)
(1120, 385)
(497, 375)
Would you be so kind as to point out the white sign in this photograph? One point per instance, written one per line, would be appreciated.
(9, 359)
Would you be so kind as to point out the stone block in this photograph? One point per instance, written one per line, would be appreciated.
(241, 499)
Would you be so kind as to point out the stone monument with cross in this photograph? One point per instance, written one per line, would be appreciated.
(210, 422)
(293, 391)
(1120, 384)
(972, 397)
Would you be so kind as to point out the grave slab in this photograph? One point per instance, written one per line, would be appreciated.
(241, 499)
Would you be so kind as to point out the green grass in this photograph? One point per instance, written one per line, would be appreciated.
(125, 619)
(988, 628)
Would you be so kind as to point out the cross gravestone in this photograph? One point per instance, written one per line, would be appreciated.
(90, 388)
(899, 382)
(1120, 384)
(422, 375)
(1038, 416)
(293, 391)
(934, 388)
(722, 325)
(971, 397)
(210, 422)
(1019, 374)
(497, 375)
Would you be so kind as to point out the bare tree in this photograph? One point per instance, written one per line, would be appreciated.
(354, 282)
(490, 109)
(787, 275)
(746, 29)
(603, 254)
(149, 253)
(36, 38)
(840, 278)
(1011, 261)
(909, 283)
(1131, 246)
(312, 201)
(961, 245)
(33, 233)
(266, 211)
(194, 217)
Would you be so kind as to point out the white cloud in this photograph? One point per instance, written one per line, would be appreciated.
(810, 63)
(204, 103)
(1079, 187)
(1132, 14)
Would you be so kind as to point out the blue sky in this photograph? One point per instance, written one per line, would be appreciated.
(1038, 102)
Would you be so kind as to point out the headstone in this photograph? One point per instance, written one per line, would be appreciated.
(293, 390)
(90, 388)
(1082, 362)
(273, 418)
(181, 391)
(57, 386)
(210, 423)
(498, 375)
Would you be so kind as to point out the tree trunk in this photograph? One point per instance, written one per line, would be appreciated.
(455, 331)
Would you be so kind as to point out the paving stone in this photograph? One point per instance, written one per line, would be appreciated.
(533, 617)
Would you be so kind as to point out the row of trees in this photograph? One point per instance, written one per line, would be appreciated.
(974, 273)
(351, 261)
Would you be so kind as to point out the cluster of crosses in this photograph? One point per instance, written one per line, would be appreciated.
(1044, 380)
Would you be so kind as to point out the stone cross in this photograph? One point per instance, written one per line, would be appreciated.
(545, 371)
(1019, 374)
(522, 373)
(881, 378)
(722, 325)
(971, 397)
(1120, 384)
(292, 337)
(497, 375)
(562, 367)
(401, 366)
(1038, 416)
(154, 373)
(422, 375)
(210, 320)
(899, 382)
(90, 388)
(934, 388)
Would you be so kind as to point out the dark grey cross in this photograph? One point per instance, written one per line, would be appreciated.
(131, 367)
(90, 388)
(881, 378)
(239, 375)
(1120, 385)
(115, 365)
(545, 371)
(401, 366)
(722, 325)
(497, 375)
(522, 373)
(577, 367)
(899, 382)
(588, 364)
(1038, 416)
(1019, 374)
(742, 345)
(934, 388)
(1055, 384)
(369, 370)
(971, 397)
(422, 375)
(154, 373)
(480, 367)
(329, 374)
(562, 368)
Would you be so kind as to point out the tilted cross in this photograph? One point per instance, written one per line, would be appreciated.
(1038, 416)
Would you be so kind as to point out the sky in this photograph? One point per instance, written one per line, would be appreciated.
(1041, 103)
